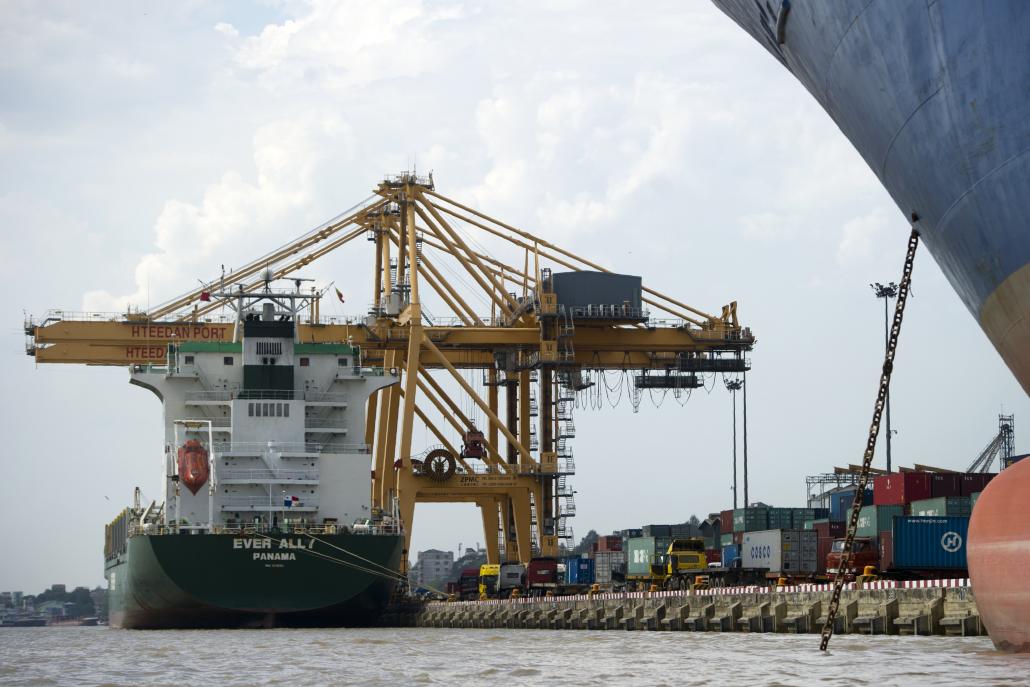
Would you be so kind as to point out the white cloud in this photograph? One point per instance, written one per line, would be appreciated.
(190, 237)
(860, 234)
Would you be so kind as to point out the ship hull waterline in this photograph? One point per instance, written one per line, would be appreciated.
(235, 581)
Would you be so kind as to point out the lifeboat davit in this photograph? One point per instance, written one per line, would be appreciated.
(998, 550)
(193, 466)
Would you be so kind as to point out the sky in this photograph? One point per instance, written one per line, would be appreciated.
(145, 144)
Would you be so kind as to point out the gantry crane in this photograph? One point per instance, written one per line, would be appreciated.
(535, 344)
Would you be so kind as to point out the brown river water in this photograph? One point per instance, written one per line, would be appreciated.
(500, 658)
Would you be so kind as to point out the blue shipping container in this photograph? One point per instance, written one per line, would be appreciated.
(840, 503)
(579, 571)
(730, 553)
(930, 543)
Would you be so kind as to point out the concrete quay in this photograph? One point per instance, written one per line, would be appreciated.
(944, 609)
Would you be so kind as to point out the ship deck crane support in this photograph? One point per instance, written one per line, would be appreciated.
(530, 345)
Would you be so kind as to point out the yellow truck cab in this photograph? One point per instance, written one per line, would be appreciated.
(488, 574)
(685, 558)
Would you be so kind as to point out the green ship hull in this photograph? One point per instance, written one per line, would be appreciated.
(229, 580)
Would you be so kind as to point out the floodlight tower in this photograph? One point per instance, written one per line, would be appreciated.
(886, 292)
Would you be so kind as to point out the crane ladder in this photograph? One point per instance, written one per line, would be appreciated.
(874, 431)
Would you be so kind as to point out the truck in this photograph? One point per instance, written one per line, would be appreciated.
(511, 576)
(673, 567)
(488, 574)
(468, 584)
(790, 553)
(916, 547)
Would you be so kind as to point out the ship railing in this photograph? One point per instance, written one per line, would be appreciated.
(209, 395)
(275, 503)
(215, 421)
(269, 474)
(322, 422)
(250, 529)
(325, 396)
(260, 448)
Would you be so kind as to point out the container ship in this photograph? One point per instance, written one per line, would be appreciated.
(266, 519)
(934, 97)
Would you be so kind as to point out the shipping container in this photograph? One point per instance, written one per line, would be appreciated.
(630, 533)
(972, 501)
(609, 542)
(579, 571)
(973, 482)
(875, 519)
(945, 484)
(940, 507)
(640, 553)
(726, 521)
(726, 539)
(714, 555)
(840, 503)
(750, 519)
(609, 567)
(657, 531)
(829, 528)
(542, 573)
(886, 550)
(511, 576)
(583, 289)
(730, 553)
(900, 488)
(792, 552)
(823, 546)
(922, 543)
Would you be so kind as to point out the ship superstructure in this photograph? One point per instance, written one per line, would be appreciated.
(265, 472)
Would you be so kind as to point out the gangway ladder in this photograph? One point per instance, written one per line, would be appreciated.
(874, 431)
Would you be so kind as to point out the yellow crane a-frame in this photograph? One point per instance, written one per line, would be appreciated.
(530, 344)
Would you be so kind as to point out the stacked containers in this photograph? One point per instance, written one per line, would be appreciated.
(974, 482)
(781, 519)
(941, 506)
(657, 531)
(751, 519)
(875, 519)
(972, 501)
(726, 521)
(840, 502)
(945, 484)
(611, 542)
(900, 488)
(726, 539)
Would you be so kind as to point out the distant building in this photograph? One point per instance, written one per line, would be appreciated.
(432, 566)
(17, 598)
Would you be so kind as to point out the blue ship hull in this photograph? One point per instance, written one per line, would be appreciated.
(936, 98)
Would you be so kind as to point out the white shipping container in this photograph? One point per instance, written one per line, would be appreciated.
(786, 551)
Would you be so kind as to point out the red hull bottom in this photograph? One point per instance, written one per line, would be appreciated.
(999, 558)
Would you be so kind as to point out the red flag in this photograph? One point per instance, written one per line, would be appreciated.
(205, 295)
(339, 294)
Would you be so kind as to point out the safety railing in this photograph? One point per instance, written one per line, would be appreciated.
(325, 396)
(323, 422)
(263, 502)
(265, 529)
(266, 474)
(215, 421)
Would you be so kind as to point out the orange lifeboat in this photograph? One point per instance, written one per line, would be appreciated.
(998, 551)
(193, 466)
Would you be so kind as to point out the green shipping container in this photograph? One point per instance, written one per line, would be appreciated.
(941, 506)
(875, 519)
(640, 552)
(972, 501)
(726, 539)
(750, 519)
